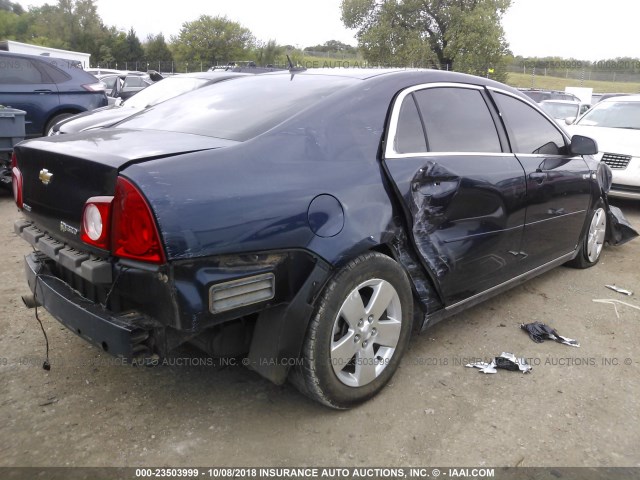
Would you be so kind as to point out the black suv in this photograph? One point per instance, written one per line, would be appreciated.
(48, 89)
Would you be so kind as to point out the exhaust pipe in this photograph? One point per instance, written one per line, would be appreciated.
(30, 301)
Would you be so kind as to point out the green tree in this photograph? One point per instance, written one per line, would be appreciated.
(90, 32)
(212, 40)
(106, 57)
(156, 49)
(465, 35)
(118, 47)
(135, 52)
(269, 53)
(332, 46)
(8, 6)
(71, 24)
(8, 24)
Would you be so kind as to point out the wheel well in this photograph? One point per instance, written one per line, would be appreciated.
(425, 294)
(69, 111)
(384, 249)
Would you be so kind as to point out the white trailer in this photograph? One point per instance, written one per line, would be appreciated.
(17, 47)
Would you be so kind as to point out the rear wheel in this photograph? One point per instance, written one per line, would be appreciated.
(358, 334)
(593, 241)
(54, 120)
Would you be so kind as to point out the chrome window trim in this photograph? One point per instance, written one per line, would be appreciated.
(452, 154)
(389, 150)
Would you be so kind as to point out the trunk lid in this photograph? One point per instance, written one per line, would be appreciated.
(60, 173)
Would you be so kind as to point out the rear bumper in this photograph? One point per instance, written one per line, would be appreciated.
(123, 336)
(625, 191)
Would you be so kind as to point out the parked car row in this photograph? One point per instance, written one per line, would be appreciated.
(539, 96)
(615, 124)
(154, 94)
(308, 220)
(123, 85)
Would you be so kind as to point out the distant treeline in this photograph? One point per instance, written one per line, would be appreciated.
(76, 25)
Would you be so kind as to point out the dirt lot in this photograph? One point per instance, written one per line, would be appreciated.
(579, 407)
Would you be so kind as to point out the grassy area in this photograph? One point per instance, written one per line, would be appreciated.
(559, 83)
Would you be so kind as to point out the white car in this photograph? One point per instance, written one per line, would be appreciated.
(562, 110)
(615, 125)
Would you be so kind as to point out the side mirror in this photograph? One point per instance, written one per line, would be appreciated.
(569, 120)
(583, 145)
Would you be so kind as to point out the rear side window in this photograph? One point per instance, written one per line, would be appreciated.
(410, 134)
(457, 120)
(134, 82)
(56, 74)
(529, 130)
(15, 70)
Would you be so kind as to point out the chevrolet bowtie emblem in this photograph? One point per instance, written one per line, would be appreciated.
(45, 177)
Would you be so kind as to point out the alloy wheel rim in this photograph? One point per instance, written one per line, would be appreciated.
(597, 231)
(366, 333)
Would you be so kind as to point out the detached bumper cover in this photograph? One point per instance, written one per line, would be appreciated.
(620, 230)
(122, 336)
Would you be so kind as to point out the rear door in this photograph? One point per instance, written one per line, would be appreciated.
(26, 86)
(462, 192)
(558, 186)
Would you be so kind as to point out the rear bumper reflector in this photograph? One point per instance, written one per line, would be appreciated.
(242, 292)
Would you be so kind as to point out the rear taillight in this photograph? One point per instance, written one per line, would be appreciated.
(95, 87)
(16, 180)
(95, 222)
(133, 230)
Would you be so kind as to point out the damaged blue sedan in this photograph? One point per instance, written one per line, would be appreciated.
(308, 221)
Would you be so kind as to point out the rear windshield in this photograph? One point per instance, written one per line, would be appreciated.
(161, 91)
(238, 109)
(561, 110)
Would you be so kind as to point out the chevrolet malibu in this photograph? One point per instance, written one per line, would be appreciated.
(314, 218)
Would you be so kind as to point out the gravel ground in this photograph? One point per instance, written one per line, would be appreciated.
(579, 406)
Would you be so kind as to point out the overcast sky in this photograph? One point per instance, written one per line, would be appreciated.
(584, 29)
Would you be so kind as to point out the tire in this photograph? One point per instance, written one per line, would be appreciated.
(593, 241)
(358, 334)
(54, 120)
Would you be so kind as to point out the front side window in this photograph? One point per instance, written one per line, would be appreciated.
(16, 71)
(457, 120)
(530, 131)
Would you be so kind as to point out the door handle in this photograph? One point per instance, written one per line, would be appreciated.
(45, 90)
(538, 177)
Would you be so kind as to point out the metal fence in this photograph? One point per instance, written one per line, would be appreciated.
(606, 71)
(617, 72)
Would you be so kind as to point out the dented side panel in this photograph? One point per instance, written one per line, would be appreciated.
(466, 215)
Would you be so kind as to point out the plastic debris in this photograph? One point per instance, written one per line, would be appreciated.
(614, 302)
(506, 361)
(621, 231)
(619, 290)
(539, 332)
